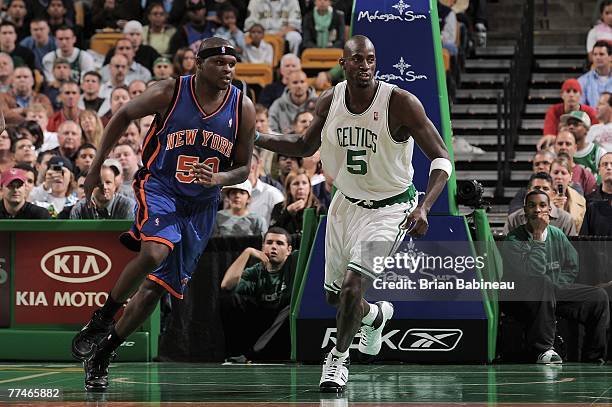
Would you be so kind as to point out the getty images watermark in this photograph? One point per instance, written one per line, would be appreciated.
(430, 271)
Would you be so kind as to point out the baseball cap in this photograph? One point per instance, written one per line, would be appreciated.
(244, 186)
(59, 160)
(11, 175)
(578, 115)
(113, 164)
(132, 26)
(571, 84)
(162, 60)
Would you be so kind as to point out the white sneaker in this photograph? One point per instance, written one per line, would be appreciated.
(371, 338)
(335, 374)
(550, 356)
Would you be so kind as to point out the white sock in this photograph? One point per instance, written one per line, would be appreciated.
(371, 315)
(338, 354)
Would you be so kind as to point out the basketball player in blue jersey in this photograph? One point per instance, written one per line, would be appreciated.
(366, 130)
(201, 139)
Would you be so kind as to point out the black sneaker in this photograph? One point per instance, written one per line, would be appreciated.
(96, 372)
(84, 343)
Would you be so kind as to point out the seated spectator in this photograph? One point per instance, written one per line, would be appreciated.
(582, 179)
(598, 219)
(37, 113)
(323, 27)
(40, 42)
(6, 72)
(119, 97)
(14, 204)
(259, 297)
(128, 158)
(32, 131)
(262, 125)
(23, 151)
(57, 189)
(42, 162)
(144, 125)
(135, 70)
(587, 154)
(325, 79)
(163, 69)
(91, 98)
(70, 138)
(92, 127)
(238, 220)
(84, 157)
(559, 218)
(114, 13)
(448, 27)
(282, 18)
(137, 87)
(602, 31)
(298, 196)
(282, 166)
(599, 78)
(144, 54)
(601, 133)
(184, 61)
(564, 196)
(118, 72)
(108, 203)
(258, 51)
(158, 32)
(604, 191)
(294, 99)
(196, 29)
(543, 264)
(80, 60)
(14, 102)
(6, 155)
(69, 96)
(59, 13)
(288, 64)
(31, 177)
(8, 44)
(571, 92)
(229, 30)
(17, 13)
(61, 74)
(263, 196)
(131, 136)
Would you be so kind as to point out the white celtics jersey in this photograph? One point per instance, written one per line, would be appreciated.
(358, 152)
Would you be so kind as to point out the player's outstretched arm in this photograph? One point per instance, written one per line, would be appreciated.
(243, 150)
(155, 99)
(408, 112)
(300, 145)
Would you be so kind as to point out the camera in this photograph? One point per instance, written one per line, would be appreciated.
(469, 193)
(57, 167)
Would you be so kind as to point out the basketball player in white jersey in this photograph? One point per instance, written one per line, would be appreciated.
(366, 130)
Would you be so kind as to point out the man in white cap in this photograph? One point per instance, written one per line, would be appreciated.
(588, 154)
(145, 55)
(238, 220)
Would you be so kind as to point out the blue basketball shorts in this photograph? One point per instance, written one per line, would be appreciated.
(181, 224)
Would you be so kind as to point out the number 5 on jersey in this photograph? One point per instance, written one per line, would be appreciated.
(184, 164)
(354, 164)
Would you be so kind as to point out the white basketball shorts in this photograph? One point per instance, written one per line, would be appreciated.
(350, 229)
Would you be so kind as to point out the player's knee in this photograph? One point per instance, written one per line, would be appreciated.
(152, 256)
(350, 293)
(151, 293)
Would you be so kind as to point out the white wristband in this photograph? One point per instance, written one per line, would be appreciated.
(441, 164)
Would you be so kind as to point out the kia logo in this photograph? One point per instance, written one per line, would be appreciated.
(76, 264)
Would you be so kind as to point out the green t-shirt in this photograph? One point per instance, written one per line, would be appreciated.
(555, 258)
(271, 290)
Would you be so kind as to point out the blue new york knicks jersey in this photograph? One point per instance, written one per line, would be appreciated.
(188, 135)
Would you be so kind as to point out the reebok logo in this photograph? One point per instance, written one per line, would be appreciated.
(430, 339)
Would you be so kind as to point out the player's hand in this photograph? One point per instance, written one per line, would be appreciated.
(416, 223)
(92, 181)
(258, 254)
(296, 206)
(204, 175)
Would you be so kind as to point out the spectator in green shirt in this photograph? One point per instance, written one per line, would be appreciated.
(256, 308)
(543, 265)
